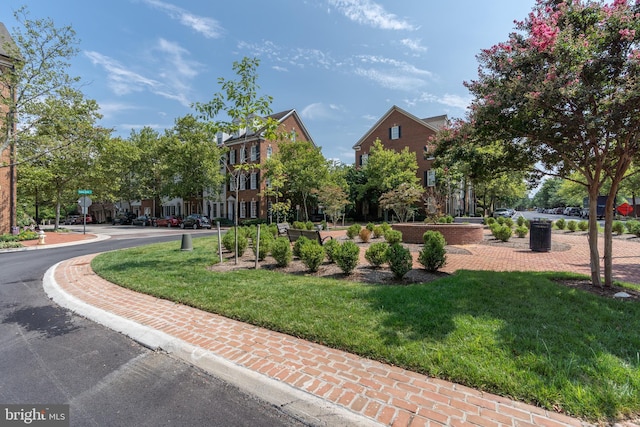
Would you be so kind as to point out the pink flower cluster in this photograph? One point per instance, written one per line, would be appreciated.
(627, 34)
(543, 35)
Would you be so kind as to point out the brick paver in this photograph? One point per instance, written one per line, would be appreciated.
(385, 394)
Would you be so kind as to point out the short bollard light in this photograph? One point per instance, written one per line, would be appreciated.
(41, 237)
(186, 243)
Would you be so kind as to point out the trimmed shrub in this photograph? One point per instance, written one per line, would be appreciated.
(521, 221)
(393, 236)
(370, 226)
(296, 246)
(433, 254)
(228, 241)
(281, 251)
(385, 227)
(312, 255)
(347, 256)
(299, 225)
(490, 221)
(309, 225)
(633, 226)
(266, 241)
(572, 225)
(376, 255)
(330, 247)
(617, 227)
(508, 222)
(500, 220)
(503, 233)
(353, 231)
(378, 231)
(365, 235)
(399, 259)
(561, 224)
(583, 225)
(521, 231)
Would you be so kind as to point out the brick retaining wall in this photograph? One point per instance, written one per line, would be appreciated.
(454, 234)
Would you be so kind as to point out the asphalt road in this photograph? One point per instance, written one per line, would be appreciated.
(49, 355)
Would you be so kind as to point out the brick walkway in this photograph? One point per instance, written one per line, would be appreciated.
(383, 394)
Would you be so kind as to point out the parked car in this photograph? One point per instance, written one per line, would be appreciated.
(124, 219)
(571, 211)
(81, 220)
(144, 220)
(167, 221)
(502, 212)
(196, 221)
(71, 219)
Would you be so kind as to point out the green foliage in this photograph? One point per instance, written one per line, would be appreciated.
(370, 226)
(399, 259)
(330, 247)
(433, 254)
(385, 227)
(299, 225)
(266, 241)
(309, 225)
(298, 244)
(312, 255)
(560, 224)
(347, 256)
(353, 231)
(228, 240)
(617, 227)
(572, 225)
(521, 221)
(376, 254)
(508, 222)
(393, 236)
(378, 231)
(521, 231)
(281, 251)
(502, 232)
(365, 235)
(490, 221)
(402, 200)
(633, 226)
(583, 225)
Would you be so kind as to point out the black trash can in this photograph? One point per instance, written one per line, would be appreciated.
(540, 236)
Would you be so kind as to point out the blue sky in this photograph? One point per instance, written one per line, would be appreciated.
(340, 63)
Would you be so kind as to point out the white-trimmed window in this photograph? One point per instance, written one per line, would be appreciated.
(253, 180)
(243, 209)
(243, 181)
(254, 209)
(268, 183)
(253, 153)
(364, 158)
(232, 184)
(243, 154)
(394, 132)
(269, 152)
(232, 157)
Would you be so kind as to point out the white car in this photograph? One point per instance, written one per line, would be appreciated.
(502, 212)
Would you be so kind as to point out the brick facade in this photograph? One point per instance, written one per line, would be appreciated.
(7, 172)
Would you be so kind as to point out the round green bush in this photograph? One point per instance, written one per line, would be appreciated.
(370, 226)
(266, 241)
(572, 225)
(312, 255)
(299, 225)
(561, 224)
(490, 221)
(330, 247)
(378, 231)
(393, 236)
(617, 227)
(583, 225)
(281, 251)
(229, 243)
(353, 231)
(521, 221)
(503, 233)
(508, 222)
(521, 231)
(309, 225)
(399, 259)
(347, 256)
(299, 242)
(633, 226)
(376, 255)
(433, 254)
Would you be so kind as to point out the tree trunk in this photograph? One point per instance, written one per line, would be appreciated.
(594, 254)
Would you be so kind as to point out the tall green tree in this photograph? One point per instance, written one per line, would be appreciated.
(564, 90)
(42, 53)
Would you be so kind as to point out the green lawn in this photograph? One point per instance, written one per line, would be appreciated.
(520, 335)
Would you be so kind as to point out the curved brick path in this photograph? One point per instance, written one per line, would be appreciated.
(383, 394)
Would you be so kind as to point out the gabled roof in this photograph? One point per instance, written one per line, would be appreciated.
(8, 48)
(431, 123)
(279, 117)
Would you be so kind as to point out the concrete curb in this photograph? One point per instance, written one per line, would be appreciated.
(297, 403)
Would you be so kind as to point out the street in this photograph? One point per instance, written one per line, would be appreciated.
(49, 355)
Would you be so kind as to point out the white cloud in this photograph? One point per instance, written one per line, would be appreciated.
(414, 45)
(121, 80)
(370, 13)
(320, 111)
(453, 101)
(208, 27)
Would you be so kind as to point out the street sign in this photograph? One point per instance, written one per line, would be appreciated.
(625, 209)
(84, 201)
(85, 192)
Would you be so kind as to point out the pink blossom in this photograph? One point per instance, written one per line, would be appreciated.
(627, 34)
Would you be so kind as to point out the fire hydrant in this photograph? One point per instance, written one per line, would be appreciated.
(41, 237)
